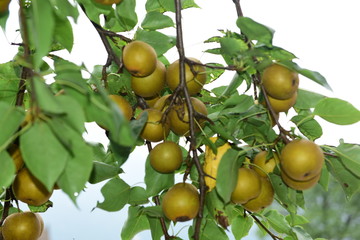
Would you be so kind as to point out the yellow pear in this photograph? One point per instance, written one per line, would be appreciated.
(264, 199)
(166, 157)
(280, 82)
(21, 226)
(181, 203)
(124, 106)
(300, 185)
(301, 159)
(139, 58)
(29, 189)
(179, 117)
(195, 79)
(263, 165)
(248, 186)
(154, 130)
(150, 85)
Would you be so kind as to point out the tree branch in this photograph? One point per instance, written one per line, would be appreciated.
(273, 236)
(202, 186)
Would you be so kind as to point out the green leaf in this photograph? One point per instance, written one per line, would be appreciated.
(255, 31)
(43, 153)
(9, 81)
(42, 208)
(43, 25)
(301, 234)
(94, 10)
(155, 181)
(79, 165)
(102, 171)
(3, 19)
(232, 46)
(307, 99)
(10, 120)
(116, 195)
(312, 75)
(153, 211)
(278, 222)
(63, 33)
(234, 84)
(350, 157)
(135, 223)
(156, 228)
(294, 219)
(126, 15)
(159, 41)
(64, 9)
(138, 196)
(7, 169)
(74, 114)
(337, 111)
(308, 126)
(227, 174)
(241, 226)
(45, 98)
(156, 20)
(211, 229)
(348, 181)
(283, 193)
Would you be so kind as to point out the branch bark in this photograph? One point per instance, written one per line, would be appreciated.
(193, 150)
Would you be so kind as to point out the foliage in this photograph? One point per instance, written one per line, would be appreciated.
(45, 115)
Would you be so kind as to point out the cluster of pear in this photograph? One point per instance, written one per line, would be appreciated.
(281, 86)
(300, 164)
(149, 78)
(26, 187)
(22, 226)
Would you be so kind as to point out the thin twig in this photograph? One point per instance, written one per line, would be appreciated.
(273, 236)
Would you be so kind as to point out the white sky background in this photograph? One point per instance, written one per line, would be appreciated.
(323, 34)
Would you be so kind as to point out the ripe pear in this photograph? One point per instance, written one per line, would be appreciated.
(300, 185)
(181, 203)
(150, 101)
(162, 103)
(124, 106)
(29, 189)
(282, 105)
(212, 162)
(21, 226)
(179, 117)
(154, 130)
(263, 165)
(166, 157)
(195, 79)
(280, 82)
(139, 58)
(150, 85)
(248, 186)
(301, 159)
(264, 199)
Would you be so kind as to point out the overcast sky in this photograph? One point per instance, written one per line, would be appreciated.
(323, 34)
